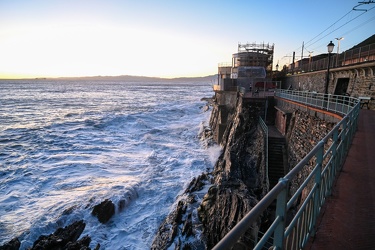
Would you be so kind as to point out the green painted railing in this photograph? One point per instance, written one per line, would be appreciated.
(327, 158)
(337, 104)
(264, 128)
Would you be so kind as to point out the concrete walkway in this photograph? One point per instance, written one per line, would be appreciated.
(348, 217)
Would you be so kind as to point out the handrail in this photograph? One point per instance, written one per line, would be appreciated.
(337, 104)
(327, 158)
(358, 55)
(265, 130)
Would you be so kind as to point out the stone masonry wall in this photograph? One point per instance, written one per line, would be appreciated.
(361, 81)
(304, 132)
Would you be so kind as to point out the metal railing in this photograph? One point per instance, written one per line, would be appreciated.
(225, 64)
(359, 55)
(264, 128)
(326, 160)
(337, 104)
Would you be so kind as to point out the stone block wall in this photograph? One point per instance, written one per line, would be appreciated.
(304, 132)
(361, 81)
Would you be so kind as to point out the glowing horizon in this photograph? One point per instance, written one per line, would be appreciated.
(156, 39)
(82, 50)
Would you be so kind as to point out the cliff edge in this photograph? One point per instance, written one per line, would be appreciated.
(218, 200)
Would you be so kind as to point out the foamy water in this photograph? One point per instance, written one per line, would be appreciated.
(68, 145)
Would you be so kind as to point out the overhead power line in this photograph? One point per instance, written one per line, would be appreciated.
(306, 46)
(340, 26)
(362, 3)
(329, 27)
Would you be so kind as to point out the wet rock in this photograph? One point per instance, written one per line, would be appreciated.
(64, 238)
(14, 244)
(222, 208)
(104, 211)
(197, 183)
(168, 229)
(82, 244)
(187, 228)
(238, 182)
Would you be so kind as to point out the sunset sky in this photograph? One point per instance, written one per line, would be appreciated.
(53, 38)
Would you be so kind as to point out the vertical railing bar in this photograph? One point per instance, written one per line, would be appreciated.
(281, 212)
(319, 161)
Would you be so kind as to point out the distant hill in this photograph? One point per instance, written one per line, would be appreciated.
(368, 41)
(131, 78)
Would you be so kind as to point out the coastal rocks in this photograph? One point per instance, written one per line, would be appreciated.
(169, 228)
(182, 226)
(14, 244)
(239, 175)
(65, 238)
(104, 211)
(206, 214)
(222, 208)
(206, 137)
(197, 183)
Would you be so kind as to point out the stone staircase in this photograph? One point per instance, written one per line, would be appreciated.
(276, 152)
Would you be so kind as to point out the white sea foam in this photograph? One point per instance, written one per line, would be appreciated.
(62, 152)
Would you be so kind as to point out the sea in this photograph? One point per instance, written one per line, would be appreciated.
(67, 145)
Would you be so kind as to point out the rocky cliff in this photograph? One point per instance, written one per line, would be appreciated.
(236, 184)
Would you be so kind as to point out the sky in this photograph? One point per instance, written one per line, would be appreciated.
(175, 38)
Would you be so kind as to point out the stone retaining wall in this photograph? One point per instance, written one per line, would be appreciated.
(360, 81)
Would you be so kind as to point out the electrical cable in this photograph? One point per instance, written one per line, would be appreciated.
(306, 47)
(329, 27)
(340, 26)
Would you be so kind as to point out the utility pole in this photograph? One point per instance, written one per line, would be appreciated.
(303, 45)
(294, 54)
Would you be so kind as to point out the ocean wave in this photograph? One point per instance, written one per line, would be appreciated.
(66, 149)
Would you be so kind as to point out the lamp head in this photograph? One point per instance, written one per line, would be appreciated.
(330, 47)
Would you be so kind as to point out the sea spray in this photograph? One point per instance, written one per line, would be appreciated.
(68, 145)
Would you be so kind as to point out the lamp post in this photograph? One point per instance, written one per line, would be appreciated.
(310, 52)
(338, 49)
(277, 73)
(330, 49)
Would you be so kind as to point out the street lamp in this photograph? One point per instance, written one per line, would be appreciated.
(338, 49)
(330, 49)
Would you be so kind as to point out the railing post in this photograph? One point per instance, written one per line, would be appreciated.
(335, 162)
(282, 200)
(318, 178)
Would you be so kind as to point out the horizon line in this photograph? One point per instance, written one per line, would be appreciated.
(102, 76)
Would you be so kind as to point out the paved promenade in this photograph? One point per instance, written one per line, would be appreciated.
(348, 216)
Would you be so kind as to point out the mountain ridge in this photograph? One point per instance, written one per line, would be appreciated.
(137, 78)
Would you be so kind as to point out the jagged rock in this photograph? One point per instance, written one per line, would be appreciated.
(104, 211)
(222, 208)
(64, 238)
(14, 244)
(197, 183)
(239, 181)
(82, 244)
(187, 228)
(168, 229)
